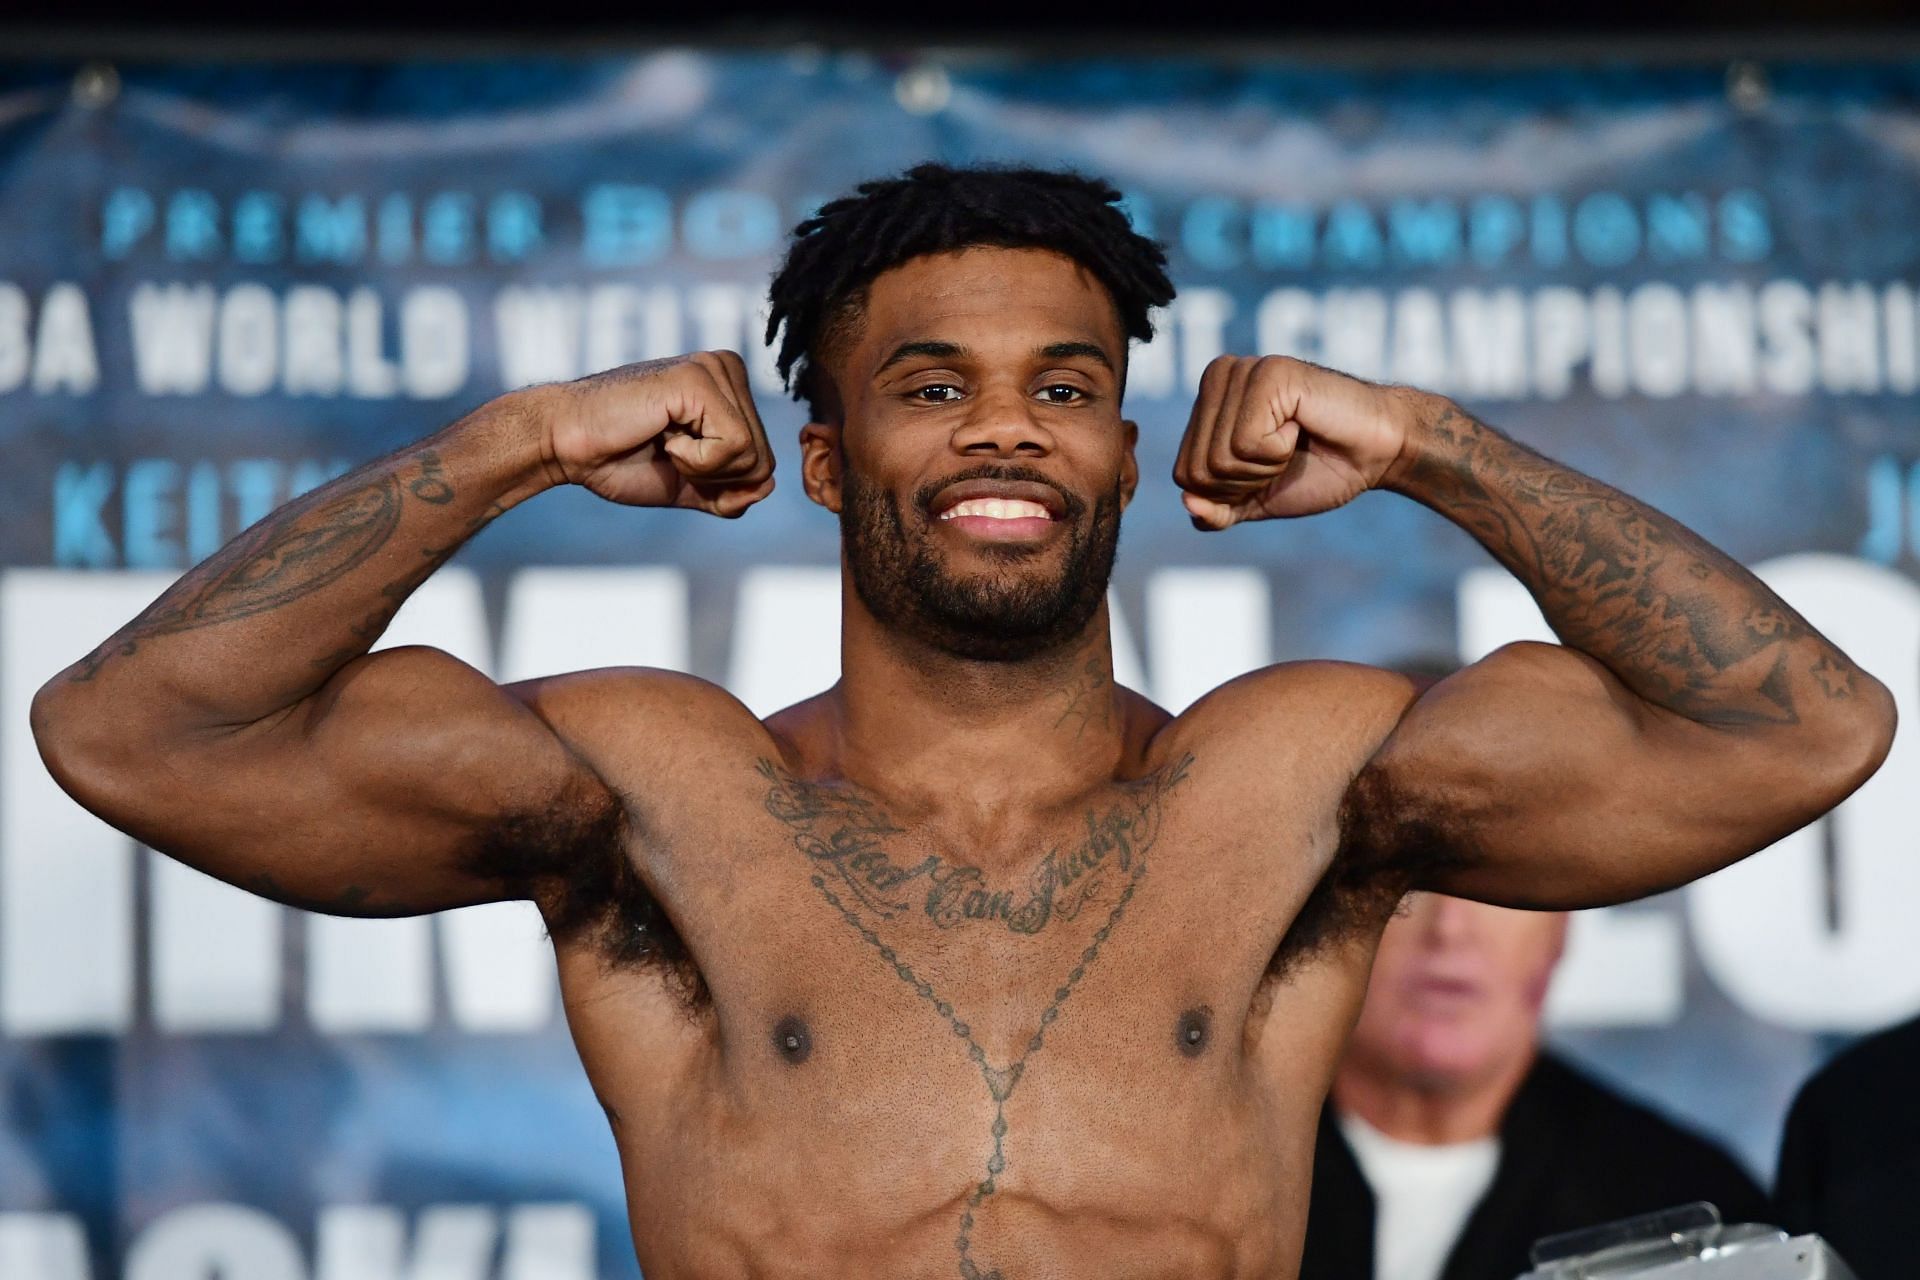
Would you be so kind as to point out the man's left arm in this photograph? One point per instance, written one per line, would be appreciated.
(1692, 717)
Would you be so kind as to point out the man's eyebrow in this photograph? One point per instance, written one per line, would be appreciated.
(1065, 350)
(924, 347)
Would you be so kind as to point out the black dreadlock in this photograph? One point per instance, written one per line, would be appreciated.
(935, 208)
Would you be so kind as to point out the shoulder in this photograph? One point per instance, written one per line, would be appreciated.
(654, 740)
(1582, 1102)
(628, 722)
(1865, 1079)
(1295, 736)
(586, 701)
(1338, 713)
(1319, 683)
(1617, 1132)
(1871, 1065)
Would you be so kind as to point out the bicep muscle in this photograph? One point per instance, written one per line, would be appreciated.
(409, 783)
(1535, 779)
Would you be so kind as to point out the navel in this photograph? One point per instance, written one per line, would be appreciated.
(792, 1041)
(1193, 1031)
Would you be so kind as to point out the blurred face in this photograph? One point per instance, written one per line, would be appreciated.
(981, 462)
(1455, 996)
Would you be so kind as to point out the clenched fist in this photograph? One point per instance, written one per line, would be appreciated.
(663, 433)
(1272, 436)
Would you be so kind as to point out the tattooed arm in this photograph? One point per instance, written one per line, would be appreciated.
(1691, 718)
(241, 725)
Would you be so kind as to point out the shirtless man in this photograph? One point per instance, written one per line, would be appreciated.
(975, 964)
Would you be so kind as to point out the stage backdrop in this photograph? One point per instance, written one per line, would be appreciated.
(221, 284)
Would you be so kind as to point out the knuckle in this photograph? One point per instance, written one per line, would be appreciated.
(709, 369)
(1251, 435)
(734, 458)
(687, 376)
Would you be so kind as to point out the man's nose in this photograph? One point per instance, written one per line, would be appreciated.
(1003, 426)
(1450, 921)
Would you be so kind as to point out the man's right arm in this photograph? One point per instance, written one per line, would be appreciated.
(241, 725)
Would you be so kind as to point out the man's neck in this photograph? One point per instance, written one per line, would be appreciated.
(949, 732)
(1431, 1115)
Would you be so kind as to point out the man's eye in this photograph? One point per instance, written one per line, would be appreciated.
(1061, 393)
(938, 393)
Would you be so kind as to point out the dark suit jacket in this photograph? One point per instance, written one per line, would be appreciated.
(1850, 1161)
(1572, 1154)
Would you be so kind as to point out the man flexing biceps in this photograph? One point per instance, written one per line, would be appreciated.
(976, 963)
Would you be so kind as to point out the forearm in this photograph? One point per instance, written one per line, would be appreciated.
(265, 621)
(1679, 623)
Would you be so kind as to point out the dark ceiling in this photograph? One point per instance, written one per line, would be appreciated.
(31, 25)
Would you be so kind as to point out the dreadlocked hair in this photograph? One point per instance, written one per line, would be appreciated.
(936, 208)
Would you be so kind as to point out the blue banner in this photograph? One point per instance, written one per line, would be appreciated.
(221, 285)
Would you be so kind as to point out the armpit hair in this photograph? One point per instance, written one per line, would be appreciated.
(1387, 846)
(571, 860)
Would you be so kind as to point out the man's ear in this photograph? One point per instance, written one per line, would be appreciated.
(821, 463)
(1130, 465)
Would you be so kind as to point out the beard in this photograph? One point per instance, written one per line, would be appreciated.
(1016, 610)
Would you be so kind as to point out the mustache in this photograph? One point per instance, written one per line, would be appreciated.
(1072, 505)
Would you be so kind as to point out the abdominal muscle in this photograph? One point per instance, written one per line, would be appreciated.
(781, 1216)
(1153, 1170)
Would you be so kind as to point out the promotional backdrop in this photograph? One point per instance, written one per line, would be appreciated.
(220, 285)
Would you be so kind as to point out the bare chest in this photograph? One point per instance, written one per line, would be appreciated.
(811, 904)
(982, 1040)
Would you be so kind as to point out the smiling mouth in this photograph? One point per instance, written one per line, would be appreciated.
(1013, 508)
(997, 509)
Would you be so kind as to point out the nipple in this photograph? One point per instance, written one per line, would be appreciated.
(1190, 1034)
(792, 1041)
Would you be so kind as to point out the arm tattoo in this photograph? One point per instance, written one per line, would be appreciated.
(842, 834)
(298, 550)
(1681, 624)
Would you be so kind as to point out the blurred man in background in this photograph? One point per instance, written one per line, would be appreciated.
(1850, 1160)
(1451, 1142)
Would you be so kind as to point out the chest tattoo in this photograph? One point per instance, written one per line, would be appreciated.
(842, 833)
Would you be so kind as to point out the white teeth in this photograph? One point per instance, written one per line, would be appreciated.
(997, 509)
